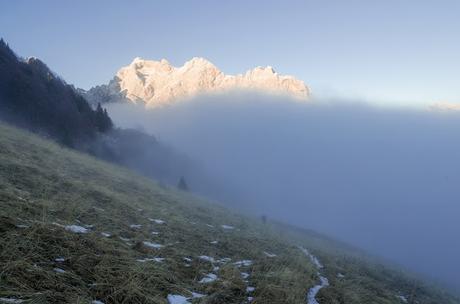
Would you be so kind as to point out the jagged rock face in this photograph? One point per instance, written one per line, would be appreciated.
(158, 82)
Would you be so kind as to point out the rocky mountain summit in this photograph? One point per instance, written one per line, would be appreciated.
(158, 82)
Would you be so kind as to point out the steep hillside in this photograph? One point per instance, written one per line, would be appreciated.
(32, 96)
(77, 230)
(158, 82)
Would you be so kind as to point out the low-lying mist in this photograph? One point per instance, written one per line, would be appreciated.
(386, 180)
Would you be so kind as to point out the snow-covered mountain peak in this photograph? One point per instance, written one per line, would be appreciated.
(158, 82)
(199, 61)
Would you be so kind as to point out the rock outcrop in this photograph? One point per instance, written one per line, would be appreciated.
(158, 82)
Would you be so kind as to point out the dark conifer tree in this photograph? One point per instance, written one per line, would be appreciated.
(264, 219)
(103, 121)
(182, 185)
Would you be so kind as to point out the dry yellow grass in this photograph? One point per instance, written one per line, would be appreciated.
(45, 188)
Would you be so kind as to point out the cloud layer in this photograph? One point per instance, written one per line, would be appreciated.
(383, 179)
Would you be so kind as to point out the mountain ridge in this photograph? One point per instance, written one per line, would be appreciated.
(158, 83)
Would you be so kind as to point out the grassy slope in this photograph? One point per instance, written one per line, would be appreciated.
(44, 186)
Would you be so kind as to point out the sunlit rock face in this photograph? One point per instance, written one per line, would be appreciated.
(158, 82)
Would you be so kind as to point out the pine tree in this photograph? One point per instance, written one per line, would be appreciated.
(103, 121)
(182, 185)
(264, 219)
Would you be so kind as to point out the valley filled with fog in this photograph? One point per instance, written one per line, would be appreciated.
(383, 179)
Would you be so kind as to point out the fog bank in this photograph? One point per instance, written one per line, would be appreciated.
(386, 180)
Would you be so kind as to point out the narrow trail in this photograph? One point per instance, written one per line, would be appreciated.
(324, 282)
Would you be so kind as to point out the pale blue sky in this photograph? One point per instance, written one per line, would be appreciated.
(405, 52)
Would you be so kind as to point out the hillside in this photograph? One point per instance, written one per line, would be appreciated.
(34, 97)
(157, 83)
(78, 230)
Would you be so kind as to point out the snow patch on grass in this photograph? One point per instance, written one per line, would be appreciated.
(313, 259)
(76, 229)
(152, 245)
(224, 260)
(227, 227)
(11, 300)
(180, 299)
(158, 260)
(402, 298)
(245, 263)
(210, 277)
(196, 295)
(59, 270)
(311, 296)
(206, 258)
(244, 275)
(157, 221)
(177, 299)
